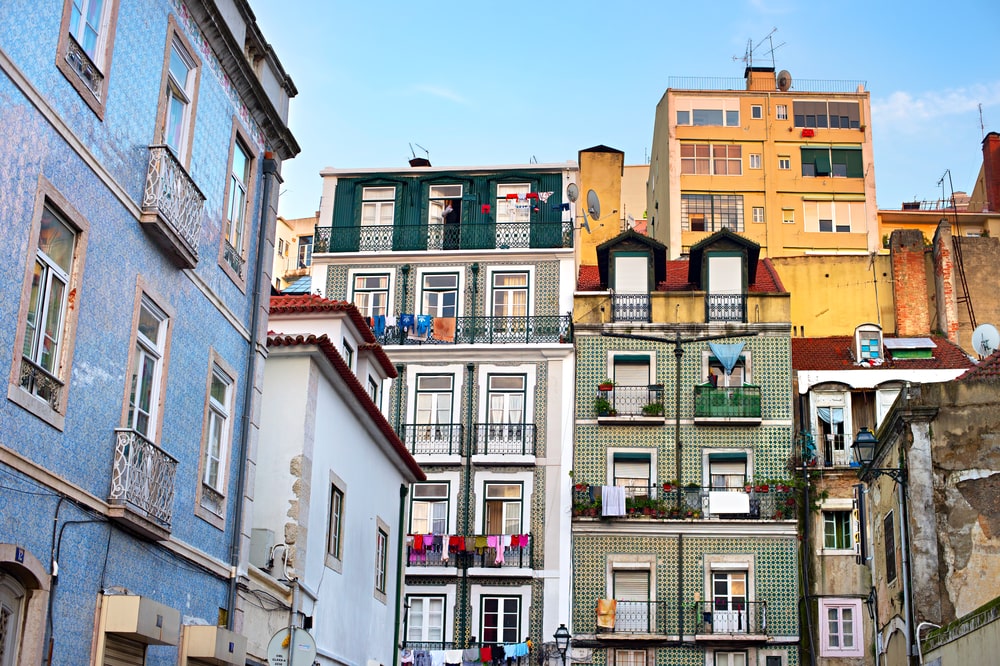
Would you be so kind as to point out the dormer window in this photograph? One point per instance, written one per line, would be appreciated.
(868, 344)
(726, 293)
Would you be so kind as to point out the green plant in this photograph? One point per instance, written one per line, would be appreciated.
(653, 409)
(602, 406)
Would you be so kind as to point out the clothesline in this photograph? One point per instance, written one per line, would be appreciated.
(421, 544)
(486, 654)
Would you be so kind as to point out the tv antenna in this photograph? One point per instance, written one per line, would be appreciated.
(427, 154)
(748, 55)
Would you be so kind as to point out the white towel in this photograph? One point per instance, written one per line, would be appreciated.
(612, 501)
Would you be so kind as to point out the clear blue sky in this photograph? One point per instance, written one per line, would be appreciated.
(483, 83)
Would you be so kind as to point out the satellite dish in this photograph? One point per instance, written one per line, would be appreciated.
(572, 192)
(593, 205)
(784, 80)
(586, 223)
(985, 339)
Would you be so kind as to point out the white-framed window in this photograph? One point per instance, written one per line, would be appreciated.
(241, 166)
(425, 618)
(502, 508)
(373, 391)
(633, 472)
(631, 590)
(378, 206)
(706, 112)
(729, 658)
(787, 216)
(181, 81)
(714, 370)
(509, 293)
(837, 530)
(434, 398)
(756, 111)
(371, 294)
(512, 206)
(784, 162)
(305, 251)
(630, 658)
(86, 43)
(868, 341)
(429, 508)
(147, 369)
(755, 160)
(711, 159)
(711, 212)
(219, 408)
(439, 294)
(727, 471)
(500, 619)
(335, 527)
(840, 628)
(349, 354)
(381, 558)
(781, 111)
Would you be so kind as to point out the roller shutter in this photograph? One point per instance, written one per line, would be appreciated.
(123, 652)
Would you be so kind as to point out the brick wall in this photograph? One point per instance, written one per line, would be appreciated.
(944, 283)
(991, 170)
(909, 283)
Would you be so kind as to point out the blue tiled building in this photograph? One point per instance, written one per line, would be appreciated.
(139, 165)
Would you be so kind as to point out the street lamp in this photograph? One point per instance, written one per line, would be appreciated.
(864, 447)
(562, 637)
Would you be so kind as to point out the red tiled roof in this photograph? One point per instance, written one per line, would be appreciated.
(767, 282)
(988, 369)
(834, 353)
(308, 303)
(589, 279)
(338, 363)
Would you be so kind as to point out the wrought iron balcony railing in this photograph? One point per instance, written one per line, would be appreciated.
(233, 258)
(470, 551)
(142, 477)
(622, 400)
(730, 616)
(726, 307)
(727, 402)
(430, 439)
(668, 501)
(836, 448)
(644, 617)
(505, 439)
(479, 234)
(173, 204)
(35, 379)
(533, 329)
(84, 67)
(631, 307)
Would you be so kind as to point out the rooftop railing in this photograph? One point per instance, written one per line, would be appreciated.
(740, 83)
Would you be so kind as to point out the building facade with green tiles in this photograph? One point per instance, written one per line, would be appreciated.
(466, 277)
(684, 534)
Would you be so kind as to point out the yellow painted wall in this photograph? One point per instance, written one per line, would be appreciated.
(633, 200)
(683, 308)
(601, 172)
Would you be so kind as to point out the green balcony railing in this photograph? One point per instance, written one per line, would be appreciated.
(727, 402)
(423, 237)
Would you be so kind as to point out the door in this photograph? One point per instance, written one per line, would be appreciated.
(11, 612)
(631, 591)
(729, 602)
(505, 427)
(434, 432)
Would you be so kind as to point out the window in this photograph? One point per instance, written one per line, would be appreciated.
(371, 294)
(146, 375)
(334, 545)
(181, 74)
(836, 162)
(505, 396)
(305, 251)
(727, 471)
(512, 206)
(837, 530)
(425, 619)
(787, 216)
(12, 597)
(781, 112)
(378, 206)
(445, 213)
(830, 430)
(839, 628)
(381, 558)
(833, 216)
(836, 115)
(703, 112)
(510, 294)
(730, 659)
(630, 588)
(434, 399)
(218, 430)
(784, 162)
(630, 370)
(501, 619)
(632, 472)
(869, 341)
(373, 391)
(756, 111)
(237, 241)
(503, 508)
(711, 159)
(755, 160)
(630, 658)
(889, 536)
(758, 214)
(711, 212)
(440, 294)
(729, 602)
(349, 355)
(429, 509)
(86, 42)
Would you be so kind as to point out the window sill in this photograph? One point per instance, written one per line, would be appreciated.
(334, 563)
(36, 406)
(206, 513)
(380, 596)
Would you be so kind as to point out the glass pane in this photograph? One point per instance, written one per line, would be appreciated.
(219, 390)
(510, 279)
(149, 325)
(179, 68)
(53, 322)
(501, 490)
(445, 191)
(34, 311)
(440, 281)
(378, 193)
(56, 240)
(434, 382)
(512, 383)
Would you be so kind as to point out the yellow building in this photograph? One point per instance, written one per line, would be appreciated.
(786, 165)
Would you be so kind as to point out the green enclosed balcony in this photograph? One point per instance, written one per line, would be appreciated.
(737, 405)
(475, 235)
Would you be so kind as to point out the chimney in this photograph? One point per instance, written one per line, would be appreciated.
(909, 283)
(991, 170)
(760, 78)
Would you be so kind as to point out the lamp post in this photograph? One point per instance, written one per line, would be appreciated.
(864, 447)
(562, 637)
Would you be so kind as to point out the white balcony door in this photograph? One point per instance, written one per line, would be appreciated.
(433, 408)
(729, 602)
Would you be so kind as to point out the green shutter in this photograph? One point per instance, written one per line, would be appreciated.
(855, 165)
(822, 163)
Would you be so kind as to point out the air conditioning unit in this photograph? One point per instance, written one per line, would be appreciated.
(261, 544)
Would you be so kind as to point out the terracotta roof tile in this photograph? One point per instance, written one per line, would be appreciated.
(589, 279)
(338, 363)
(988, 369)
(767, 282)
(834, 353)
(309, 303)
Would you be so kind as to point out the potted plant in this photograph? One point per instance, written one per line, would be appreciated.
(581, 487)
(653, 409)
(606, 385)
(602, 406)
(669, 486)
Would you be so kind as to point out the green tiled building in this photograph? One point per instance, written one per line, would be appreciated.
(683, 518)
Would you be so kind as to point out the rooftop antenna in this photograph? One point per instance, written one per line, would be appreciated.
(427, 153)
(534, 160)
(982, 128)
(419, 161)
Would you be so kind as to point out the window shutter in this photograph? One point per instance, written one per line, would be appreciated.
(631, 469)
(632, 585)
(631, 373)
(123, 652)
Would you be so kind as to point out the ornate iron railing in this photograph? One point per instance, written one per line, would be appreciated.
(727, 401)
(173, 196)
(442, 438)
(484, 330)
(233, 258)
(673, 501)
(836, 448)
(476, 551)
(631, 307)
(143, 476)
(730, 616)
(84, 67)
(645, 617)
(37, 380)
(726, 307)
(480, 234)
(631, 401)
(505, 439)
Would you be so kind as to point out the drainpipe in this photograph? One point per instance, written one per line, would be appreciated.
(463, 602)
(904, 535)
(678, 353)
(398, 416)
(806, 550)
(400, 564)
(475, 289)
(270, 174)
(680, 589)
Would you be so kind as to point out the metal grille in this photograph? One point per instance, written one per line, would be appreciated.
(727, 307)
(441, 438)
(505, 439)
(233, 258)
(172, 195)
(36, 380)
(143, 476)
(85, 68)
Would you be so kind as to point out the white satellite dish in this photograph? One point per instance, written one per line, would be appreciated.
(593, 205)
(985, 339)
(572, 192)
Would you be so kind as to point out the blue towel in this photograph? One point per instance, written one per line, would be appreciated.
(406, 322)
(379, 325)
(423, 325)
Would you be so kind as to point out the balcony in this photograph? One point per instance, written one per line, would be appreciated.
(478, 234)
(726, 307)
(38, 381)
(763, 501)
(630, 404)
(505, 439)
(641, 617)
(535, 329)
(836, 448)
(727, 404)
(172, 206)
(142, 485)
(80, 62)
(730, 620)
(233, 257)
(437, 439)
(481, 551)
(631, 307)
